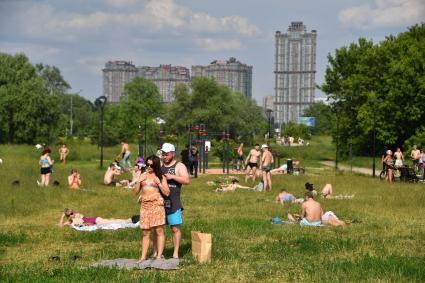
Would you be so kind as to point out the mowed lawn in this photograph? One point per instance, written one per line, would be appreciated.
(386, 245)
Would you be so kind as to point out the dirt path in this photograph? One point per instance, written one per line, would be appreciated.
(361, 170)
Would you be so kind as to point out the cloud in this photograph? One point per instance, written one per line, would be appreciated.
(122, 3)
(166, 16)
(213, 45)
(36, 53)
(384, 13)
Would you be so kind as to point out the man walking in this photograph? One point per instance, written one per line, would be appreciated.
(177, 175)
(266, 166)
(415, 155)
(125, 154)
(251, 162)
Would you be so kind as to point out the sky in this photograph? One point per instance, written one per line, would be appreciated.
(80, 36)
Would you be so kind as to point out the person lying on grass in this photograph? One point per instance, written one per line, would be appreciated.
(70, 217)
(285, 197)
(312, 214)
(231, 187)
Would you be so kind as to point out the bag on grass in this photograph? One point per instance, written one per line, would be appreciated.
(201, 246)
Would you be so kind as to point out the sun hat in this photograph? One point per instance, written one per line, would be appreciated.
(264, 146)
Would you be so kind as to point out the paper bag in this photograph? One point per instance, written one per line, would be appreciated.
(201, 246)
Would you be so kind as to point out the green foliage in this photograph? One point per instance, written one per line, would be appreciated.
(219, 146)
(323, 114)
(27, 113)
(215, 106)
(417, 139)
(295, 130)
(381, 83)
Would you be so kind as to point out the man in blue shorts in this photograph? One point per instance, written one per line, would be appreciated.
(177, 175)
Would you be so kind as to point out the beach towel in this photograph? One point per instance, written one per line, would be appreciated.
(123, 263)
(305, 222)
(111, 226)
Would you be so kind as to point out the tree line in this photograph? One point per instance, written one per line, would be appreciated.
(378, 88)
(35, 105)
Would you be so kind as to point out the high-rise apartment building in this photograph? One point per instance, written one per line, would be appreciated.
(115, 75)
(295, 68)
(232, 73)
(166, 77)
(268, 103)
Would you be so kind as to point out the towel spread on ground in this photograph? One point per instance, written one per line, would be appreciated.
(123, 263)
(111, 226)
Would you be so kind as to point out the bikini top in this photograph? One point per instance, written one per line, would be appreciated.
(150, 184)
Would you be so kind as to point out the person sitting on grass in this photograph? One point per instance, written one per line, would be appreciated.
(311, 212)
(70, 217)
(74, 180)
(327, 191)
(284, 196)
(137, 173)
(309, 188)
(110, 174)
(231, 187)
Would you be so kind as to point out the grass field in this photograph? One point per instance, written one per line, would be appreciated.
(386, 246)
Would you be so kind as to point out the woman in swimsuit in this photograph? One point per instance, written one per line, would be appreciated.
(389, 162)
(46, 164)
(74, 180)
(152, 213)
(75, 218)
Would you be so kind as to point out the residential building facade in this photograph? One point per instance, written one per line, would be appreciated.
(115, 75)
(166, 77)
(232, 73)
(295, 69)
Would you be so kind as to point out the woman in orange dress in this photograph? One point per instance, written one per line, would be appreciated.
(152, 214)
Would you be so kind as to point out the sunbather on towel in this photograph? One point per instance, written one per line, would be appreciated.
(329, 218)
(232, 187)
(285, 197)
(311, 212)
(75, 218)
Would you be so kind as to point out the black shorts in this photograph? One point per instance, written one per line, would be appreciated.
(45, 170)
(252, 165)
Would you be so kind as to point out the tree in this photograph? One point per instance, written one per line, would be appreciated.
(379, 84)
(323, 114)
(27, 114)
(216, 106)
(141, 102)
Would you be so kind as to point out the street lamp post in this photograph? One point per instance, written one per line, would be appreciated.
(269, 116)
(337, 108)
(100, 102)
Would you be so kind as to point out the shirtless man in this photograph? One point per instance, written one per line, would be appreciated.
(239, 158)
(415, 155)
(125, 154)
(251, 162)
(399, 158)
(311, 211)
(63, 153)
(109, 178)
(266, 166)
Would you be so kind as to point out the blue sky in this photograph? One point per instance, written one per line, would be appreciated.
(79, 36)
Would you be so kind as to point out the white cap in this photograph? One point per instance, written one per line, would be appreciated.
(264, 146)
(389, 152)
(168, 147)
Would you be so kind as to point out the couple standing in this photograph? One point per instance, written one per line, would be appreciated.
(160, 201)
